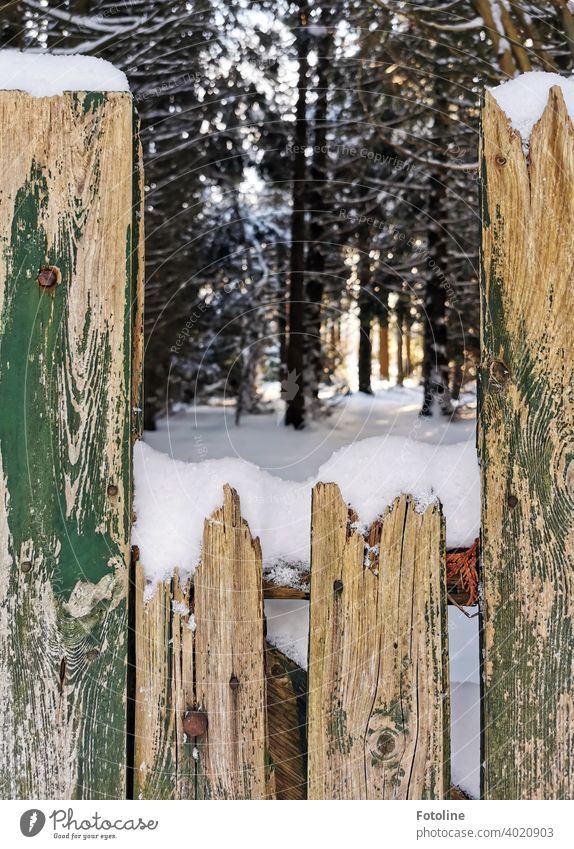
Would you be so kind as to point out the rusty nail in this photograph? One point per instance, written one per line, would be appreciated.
(512, 501)
(92, 654)
(26, 566)
(195, 723)
(48, 277)
(338, 587)
(112, 490)
(386, 743)
(501, 160)
(234, 682)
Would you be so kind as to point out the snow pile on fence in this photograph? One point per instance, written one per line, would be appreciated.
(45, 75)
(173, 498)
(524, 99)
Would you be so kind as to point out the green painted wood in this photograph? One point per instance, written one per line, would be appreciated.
(66, 197)
(526, 445)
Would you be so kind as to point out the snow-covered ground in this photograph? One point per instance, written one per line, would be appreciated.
(208, 433)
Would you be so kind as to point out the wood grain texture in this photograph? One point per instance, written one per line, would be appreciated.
(164, 767)
(65, 201)
(229, 660)
(138, 276)
(378, 709)
(527, 455)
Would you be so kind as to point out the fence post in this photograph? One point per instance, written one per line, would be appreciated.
(66, 286)
(527, 456)
(378, 715)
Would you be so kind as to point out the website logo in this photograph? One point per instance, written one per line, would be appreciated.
(32, 822)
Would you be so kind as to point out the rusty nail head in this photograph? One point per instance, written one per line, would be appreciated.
(195, 723)
(512, 501)
(234, 682)
(112, 490)
(26, 566)
(92, 654)
(48, 277)
(337, 587)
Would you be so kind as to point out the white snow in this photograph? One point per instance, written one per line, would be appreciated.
(44, 74)
(172, 498)
(524, 99)
(288, 628)
(409, 455)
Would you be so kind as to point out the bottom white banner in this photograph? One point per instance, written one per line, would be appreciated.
(290, 824)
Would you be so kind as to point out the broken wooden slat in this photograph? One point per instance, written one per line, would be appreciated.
(66, 227)
(378, 709)
(287, 724)
(164, 767)
(229, 658)
(527, 455)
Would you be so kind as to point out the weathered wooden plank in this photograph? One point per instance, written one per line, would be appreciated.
(378, 715)
(164, 767)
(527, 456)
(287, 724)
(65, 454)
(229, 658)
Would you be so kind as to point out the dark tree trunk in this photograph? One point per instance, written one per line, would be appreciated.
(435, 356)
(408, 344)
(365, 313)
(399, 329)
(457, 378)
(317, 209)
(12, 25)
(293, 386)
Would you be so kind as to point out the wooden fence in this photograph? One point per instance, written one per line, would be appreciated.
(105, 694)
(219, 715)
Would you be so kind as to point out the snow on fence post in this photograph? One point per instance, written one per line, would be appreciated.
(69, 227)
(378, 709)
(527, 453)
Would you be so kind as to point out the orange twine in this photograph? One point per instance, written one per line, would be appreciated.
(463, 566)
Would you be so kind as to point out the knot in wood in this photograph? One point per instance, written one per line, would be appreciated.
(501, 160)
(195, 723)
(499, 373)
(92, 655)
(234, 682)
(512, 501)
(112, 490)
(337, 587)
(26, 566)
(386, 744)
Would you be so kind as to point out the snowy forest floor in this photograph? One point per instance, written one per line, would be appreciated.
(209, 433)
